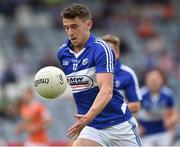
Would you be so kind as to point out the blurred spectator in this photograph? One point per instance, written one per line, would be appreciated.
(177, 59)
(21, 39)
(7, 107)
(7, 7)
(124, 47)
(8, 75)
(35, 119)
(37, 5)
(177, 52)
(48, 60)
(145, 2)
(21, 67)
(166, 63)
(3, 107)
(55, 7)
(153, 56)
(157, 118)
(155, 45)
(146, 29)
(169, 11)
(149, 59)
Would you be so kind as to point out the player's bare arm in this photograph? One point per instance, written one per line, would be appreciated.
(105, 81)
(170, 118)
(134, 106)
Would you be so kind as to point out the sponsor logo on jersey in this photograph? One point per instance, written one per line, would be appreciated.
(65, 63)
(117, 83)
(81, 82)
(85, 61)
(76, 61)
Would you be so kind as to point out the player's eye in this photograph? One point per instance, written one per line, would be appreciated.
(66, 28)
(74, 26)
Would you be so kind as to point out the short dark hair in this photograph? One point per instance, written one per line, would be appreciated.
(163, 75)
(76, 10)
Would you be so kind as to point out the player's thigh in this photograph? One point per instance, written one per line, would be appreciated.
(91, 136)
(124, 134)
(85, 142)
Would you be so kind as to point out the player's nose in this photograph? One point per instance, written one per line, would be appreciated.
(70, 32)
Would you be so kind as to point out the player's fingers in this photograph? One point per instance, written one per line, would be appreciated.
(75, 126)
(73, 132)
(73, 129)
(70, 135)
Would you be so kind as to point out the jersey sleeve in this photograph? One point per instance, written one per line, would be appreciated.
(104, 58)
(168, 94)
(132, 90)
(170, 102)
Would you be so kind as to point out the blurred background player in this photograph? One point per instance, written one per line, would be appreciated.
(126, 79)
(158, 116)
(35, 119)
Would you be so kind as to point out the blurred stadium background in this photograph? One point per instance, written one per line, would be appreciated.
(31, 32)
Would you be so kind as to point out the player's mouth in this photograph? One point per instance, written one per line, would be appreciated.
(73, 39)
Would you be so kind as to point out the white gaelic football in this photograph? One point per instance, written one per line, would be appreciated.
(50, 82)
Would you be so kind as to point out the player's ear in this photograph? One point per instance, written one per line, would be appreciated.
(89, 24)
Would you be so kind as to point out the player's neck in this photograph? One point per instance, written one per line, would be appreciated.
(155, 92)
(78, 48)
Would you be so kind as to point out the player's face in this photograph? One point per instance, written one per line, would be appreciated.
(78, 31)
(115, 49)
(154, 81)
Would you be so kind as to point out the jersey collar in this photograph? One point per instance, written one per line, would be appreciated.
(90, 40)
(117, 65)
(118, 62)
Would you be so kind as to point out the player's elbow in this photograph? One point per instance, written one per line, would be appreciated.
(134, 106)
(110, 95)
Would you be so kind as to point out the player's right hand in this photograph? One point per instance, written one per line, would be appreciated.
(82, 121)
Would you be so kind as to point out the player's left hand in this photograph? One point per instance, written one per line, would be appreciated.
(82, 121)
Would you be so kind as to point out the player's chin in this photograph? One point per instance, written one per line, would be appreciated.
(75, 42)
(76, 45)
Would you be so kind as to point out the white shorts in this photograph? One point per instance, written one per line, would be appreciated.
(159, 139)
(123, 134)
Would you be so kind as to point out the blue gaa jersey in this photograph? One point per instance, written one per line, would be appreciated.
(152, 110)
(81, 69)
(127, 83)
